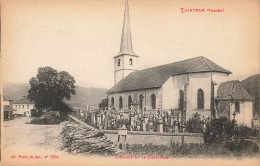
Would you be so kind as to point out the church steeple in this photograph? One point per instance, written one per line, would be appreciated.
(126, 39)
(126, 61)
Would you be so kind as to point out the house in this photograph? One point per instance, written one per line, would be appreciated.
(234, 102)
(7, 104)
(23, 106)
(195, 85)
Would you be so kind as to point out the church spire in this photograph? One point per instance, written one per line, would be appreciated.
(126, 39)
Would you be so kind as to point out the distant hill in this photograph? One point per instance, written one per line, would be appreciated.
(252, 85)
(89, 96)
(84, 95)
(15, 90)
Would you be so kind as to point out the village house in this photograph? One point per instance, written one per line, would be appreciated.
(23, 106)
(7, 104)
(233, 101)
(190, 86)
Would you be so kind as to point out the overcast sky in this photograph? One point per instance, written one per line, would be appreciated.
(83, 36)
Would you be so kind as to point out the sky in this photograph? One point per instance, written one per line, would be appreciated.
(82, 36)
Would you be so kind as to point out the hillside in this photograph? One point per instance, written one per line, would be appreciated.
(252, 85)
(84, 95)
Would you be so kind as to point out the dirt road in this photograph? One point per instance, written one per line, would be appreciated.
(21, 139)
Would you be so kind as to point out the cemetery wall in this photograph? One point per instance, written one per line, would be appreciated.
(144, 137)
(156, 138)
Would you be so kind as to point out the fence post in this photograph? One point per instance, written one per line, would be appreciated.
(122, 133)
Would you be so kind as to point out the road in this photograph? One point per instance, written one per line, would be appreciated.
(28, 140)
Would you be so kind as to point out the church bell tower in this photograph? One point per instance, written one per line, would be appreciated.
(126, 60)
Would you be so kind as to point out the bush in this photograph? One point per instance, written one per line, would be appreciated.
(47, 120)
(243, 133)
(223, 132)
(194, 125)
(36, 113)
(242, 140)
(219, 130)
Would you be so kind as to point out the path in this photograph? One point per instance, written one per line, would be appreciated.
(29, 139)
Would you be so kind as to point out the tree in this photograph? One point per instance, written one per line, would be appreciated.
(49, 88)
(103, 104)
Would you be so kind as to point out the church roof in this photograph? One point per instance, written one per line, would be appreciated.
(232, 90)
(156, 76)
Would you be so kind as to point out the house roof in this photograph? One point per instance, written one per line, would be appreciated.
(156, 76)
(232, 90)
(23, 100)
(6, 98)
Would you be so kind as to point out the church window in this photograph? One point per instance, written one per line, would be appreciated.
(200, 99)
(181, 100)
(153, 101)
(130, 61)
(237, 107)
(129, 101)
(112, 101)
(118, 63)
(120, 102)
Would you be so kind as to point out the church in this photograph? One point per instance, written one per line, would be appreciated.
(191, 85)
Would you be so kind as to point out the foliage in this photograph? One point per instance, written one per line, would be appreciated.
(103, 104)
(147, 149)
(194, 125)
(47, 120)
(219, 130)
(243, 132)
(234, 138)
(36, 113)
(166, 128)
(242, 140)
(49, 88)
(188, 150)
(120, 122)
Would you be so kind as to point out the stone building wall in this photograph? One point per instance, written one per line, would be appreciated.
(146, 102)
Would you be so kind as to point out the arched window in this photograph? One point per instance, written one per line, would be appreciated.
(130, 61)
(141, 102)
(181, 100)
(118, 63)
(112, 101)
(153, 101)
(200, 99)
(129, 101)
(120, 102)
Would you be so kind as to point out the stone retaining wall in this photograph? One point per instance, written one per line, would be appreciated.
(156, 138)
(137, 137)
